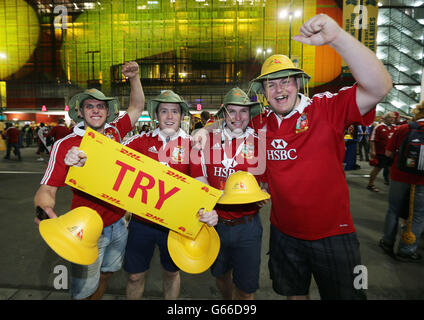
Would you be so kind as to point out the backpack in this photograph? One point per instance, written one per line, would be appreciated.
(411, 151)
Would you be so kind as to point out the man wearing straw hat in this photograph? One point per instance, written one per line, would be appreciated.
(93, 109)
(170, 145)
(312, 231)
(399, 194)
(233, 148)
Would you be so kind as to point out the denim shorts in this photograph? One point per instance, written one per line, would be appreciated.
(142, 240)
(84, 280)
(240, 252)
(331, 261)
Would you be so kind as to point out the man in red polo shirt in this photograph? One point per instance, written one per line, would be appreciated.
(93, 109)
(231, 148)
(171, 146)
(380, 136)
(312, 231)
(12, 140)
(399, 194)
(59, 132)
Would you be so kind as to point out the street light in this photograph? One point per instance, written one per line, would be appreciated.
(283, 14)
(263, 52)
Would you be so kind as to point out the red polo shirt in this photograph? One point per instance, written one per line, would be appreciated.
(12, 135)
(174, 153)
(241, 155)
(59, 132)
(381, 136)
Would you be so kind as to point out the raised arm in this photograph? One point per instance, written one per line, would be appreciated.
(136, 107)
(373, 80)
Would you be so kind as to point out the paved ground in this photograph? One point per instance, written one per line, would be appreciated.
(27, 264)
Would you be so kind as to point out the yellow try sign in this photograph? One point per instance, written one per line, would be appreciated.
(136, 183)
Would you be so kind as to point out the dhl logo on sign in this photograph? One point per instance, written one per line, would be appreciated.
(136, 183)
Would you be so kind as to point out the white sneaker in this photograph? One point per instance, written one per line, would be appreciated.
(40, 159)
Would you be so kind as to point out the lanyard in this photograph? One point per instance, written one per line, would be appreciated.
(230, 162)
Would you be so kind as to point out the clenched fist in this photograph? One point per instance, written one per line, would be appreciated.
(75, 157)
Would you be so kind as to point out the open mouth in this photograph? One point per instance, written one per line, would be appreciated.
(281, 98)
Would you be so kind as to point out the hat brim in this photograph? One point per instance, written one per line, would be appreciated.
(75, 104)
(60, 242)
(255, 109)
(179, 250)
(243, 198)
(256, 84)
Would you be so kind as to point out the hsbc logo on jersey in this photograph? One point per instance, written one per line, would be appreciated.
(280, 152)
(278, 144)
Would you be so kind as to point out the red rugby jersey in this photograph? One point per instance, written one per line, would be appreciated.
(175, 153)
(56, 171)
(305, 152)
(241, 155)
(59, 132)
(381, 136)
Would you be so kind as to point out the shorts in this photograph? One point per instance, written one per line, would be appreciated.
(240, 251)
(331, 261)
(84, 279)
(142, 240)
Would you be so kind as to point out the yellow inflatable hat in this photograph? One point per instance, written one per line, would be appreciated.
(194, 255)
(242, 187)
(74, 235)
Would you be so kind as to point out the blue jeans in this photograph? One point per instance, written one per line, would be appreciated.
(398, 193)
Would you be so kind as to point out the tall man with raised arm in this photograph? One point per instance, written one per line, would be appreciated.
(312, 231)
(93, 109)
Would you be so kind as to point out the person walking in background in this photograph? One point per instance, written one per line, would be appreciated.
(42, 142)
(380, 136)
(399, 195)
(363, 142)
(12, 141)
(58, 132)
